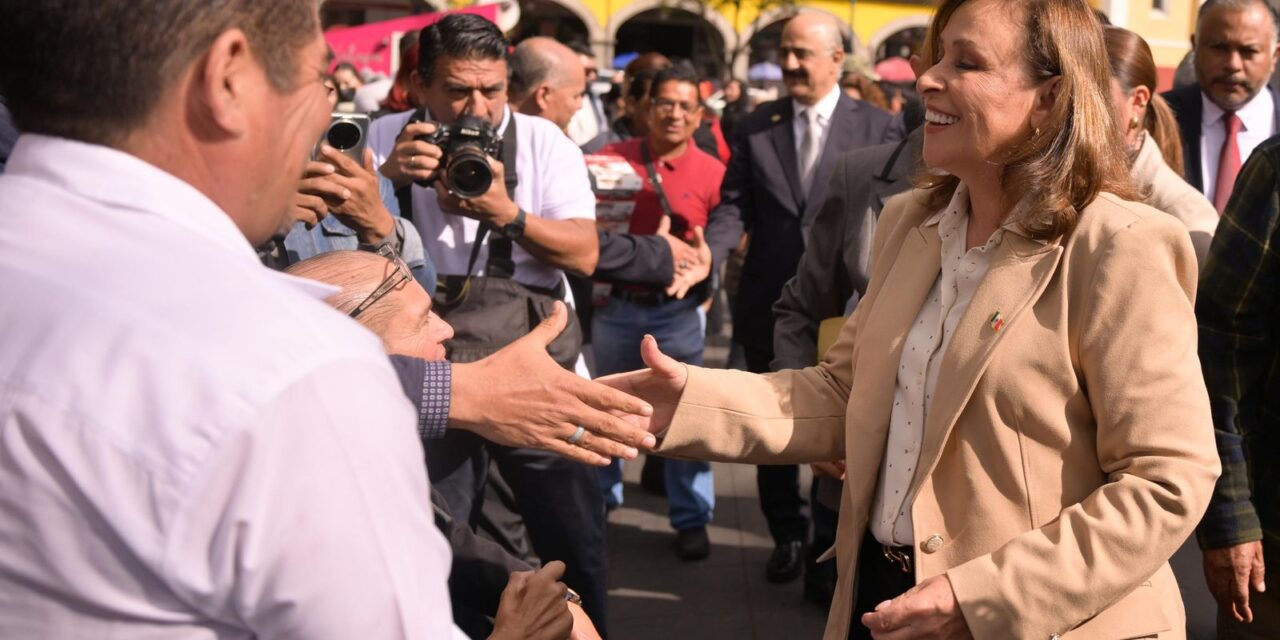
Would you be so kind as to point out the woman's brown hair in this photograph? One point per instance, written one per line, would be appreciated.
(1065, 163)
(1133, 66)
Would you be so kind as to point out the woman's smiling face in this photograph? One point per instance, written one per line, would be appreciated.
(979, 94)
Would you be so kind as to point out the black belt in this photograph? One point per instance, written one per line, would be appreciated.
(641, 298)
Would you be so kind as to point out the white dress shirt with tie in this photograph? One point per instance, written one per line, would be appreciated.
(807, 154)
(191, 445)
(962, 272)
(1257, 118)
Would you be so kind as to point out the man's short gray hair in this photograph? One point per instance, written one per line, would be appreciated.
(95, 71)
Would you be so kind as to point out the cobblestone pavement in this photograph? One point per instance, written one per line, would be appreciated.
(653, 594)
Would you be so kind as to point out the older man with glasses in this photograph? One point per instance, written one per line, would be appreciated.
(379, 291)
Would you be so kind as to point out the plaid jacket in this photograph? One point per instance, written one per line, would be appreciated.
(1240, 352)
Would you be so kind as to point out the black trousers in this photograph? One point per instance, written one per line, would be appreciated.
(879, 579)
(778, 485)
(559, 500)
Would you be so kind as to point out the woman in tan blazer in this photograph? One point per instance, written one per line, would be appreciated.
(1017, 396)
(1150, 132)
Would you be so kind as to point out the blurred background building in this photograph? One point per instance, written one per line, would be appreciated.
(729, 37)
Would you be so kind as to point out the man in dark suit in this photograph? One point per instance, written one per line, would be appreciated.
(782, 158)
(1230, 109)
(832, 276)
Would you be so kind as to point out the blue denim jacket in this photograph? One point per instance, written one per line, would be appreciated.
(332, 235)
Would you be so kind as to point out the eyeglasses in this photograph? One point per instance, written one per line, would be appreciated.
(663, 107)
(397, 277)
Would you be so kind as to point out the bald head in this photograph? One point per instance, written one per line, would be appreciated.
(357, 274)
(812, 54)
(547, 80)
(402, 317)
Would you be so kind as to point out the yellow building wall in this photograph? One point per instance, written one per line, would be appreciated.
(1167, 32)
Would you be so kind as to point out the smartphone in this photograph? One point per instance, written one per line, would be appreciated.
(348, 133)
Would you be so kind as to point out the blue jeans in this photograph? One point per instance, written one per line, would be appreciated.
(678, 325)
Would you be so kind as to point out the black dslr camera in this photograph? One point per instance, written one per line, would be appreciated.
(466, 146)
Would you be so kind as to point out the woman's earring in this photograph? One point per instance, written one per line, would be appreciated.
(1134, 122)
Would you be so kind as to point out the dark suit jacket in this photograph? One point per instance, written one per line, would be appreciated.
(763, 188)
(837, 262)
(1189, 110)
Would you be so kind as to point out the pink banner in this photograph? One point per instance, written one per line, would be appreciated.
(376, 46)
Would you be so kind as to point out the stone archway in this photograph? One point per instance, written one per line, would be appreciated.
(690, 12)
(575, 13)
(894, 28)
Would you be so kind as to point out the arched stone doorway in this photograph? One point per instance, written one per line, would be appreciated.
(564, 20)
(680, 29)
(899, 38)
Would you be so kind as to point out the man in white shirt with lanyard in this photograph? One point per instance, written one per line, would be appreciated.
(547, 220)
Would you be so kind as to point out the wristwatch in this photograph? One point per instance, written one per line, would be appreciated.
(514, 229)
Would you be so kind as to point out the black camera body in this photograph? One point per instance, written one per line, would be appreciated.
(466, 146)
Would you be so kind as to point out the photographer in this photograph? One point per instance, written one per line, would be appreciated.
(501, 253)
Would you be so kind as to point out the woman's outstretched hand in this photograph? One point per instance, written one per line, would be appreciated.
(660, 385)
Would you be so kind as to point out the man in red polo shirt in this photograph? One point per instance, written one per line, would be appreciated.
(682, 186)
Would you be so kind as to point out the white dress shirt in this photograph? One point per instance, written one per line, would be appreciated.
(192, 446)
(824, 108)
(1257, 119)
(961, 273)
(553, 185)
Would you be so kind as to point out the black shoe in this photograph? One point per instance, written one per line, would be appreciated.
(692, 544)
(786, 563)
(820, 583)
(653, 476)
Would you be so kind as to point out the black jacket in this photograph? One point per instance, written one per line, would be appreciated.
(1188, 108)
(762, 188)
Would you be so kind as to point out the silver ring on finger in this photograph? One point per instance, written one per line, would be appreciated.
(684, 264)
(577, 435)
(413, 162)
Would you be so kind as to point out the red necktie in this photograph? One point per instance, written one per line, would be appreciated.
(1228, 163)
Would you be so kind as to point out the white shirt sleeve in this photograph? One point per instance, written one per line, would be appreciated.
(566, 187)
(315, 521)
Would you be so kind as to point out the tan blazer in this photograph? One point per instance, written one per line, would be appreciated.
(1166, 191)
(1065, 456)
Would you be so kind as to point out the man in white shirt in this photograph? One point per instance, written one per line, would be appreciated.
(1230, 109)
(548, 222)
(173, 460)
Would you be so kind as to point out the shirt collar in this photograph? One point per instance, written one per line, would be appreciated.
(825, 107)
(956, 212)
(125, 182)
(1256, 114)
(128, 184)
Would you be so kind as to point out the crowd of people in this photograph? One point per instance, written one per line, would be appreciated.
(1017, 316)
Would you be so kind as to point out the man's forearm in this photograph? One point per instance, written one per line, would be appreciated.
(565, 244)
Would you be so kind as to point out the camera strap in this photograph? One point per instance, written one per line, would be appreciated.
(655, 179)
(499, 264)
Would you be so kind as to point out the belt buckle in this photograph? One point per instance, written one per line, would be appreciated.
(897, 557)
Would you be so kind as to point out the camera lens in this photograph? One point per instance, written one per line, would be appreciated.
(469, 175)
(343, 135)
